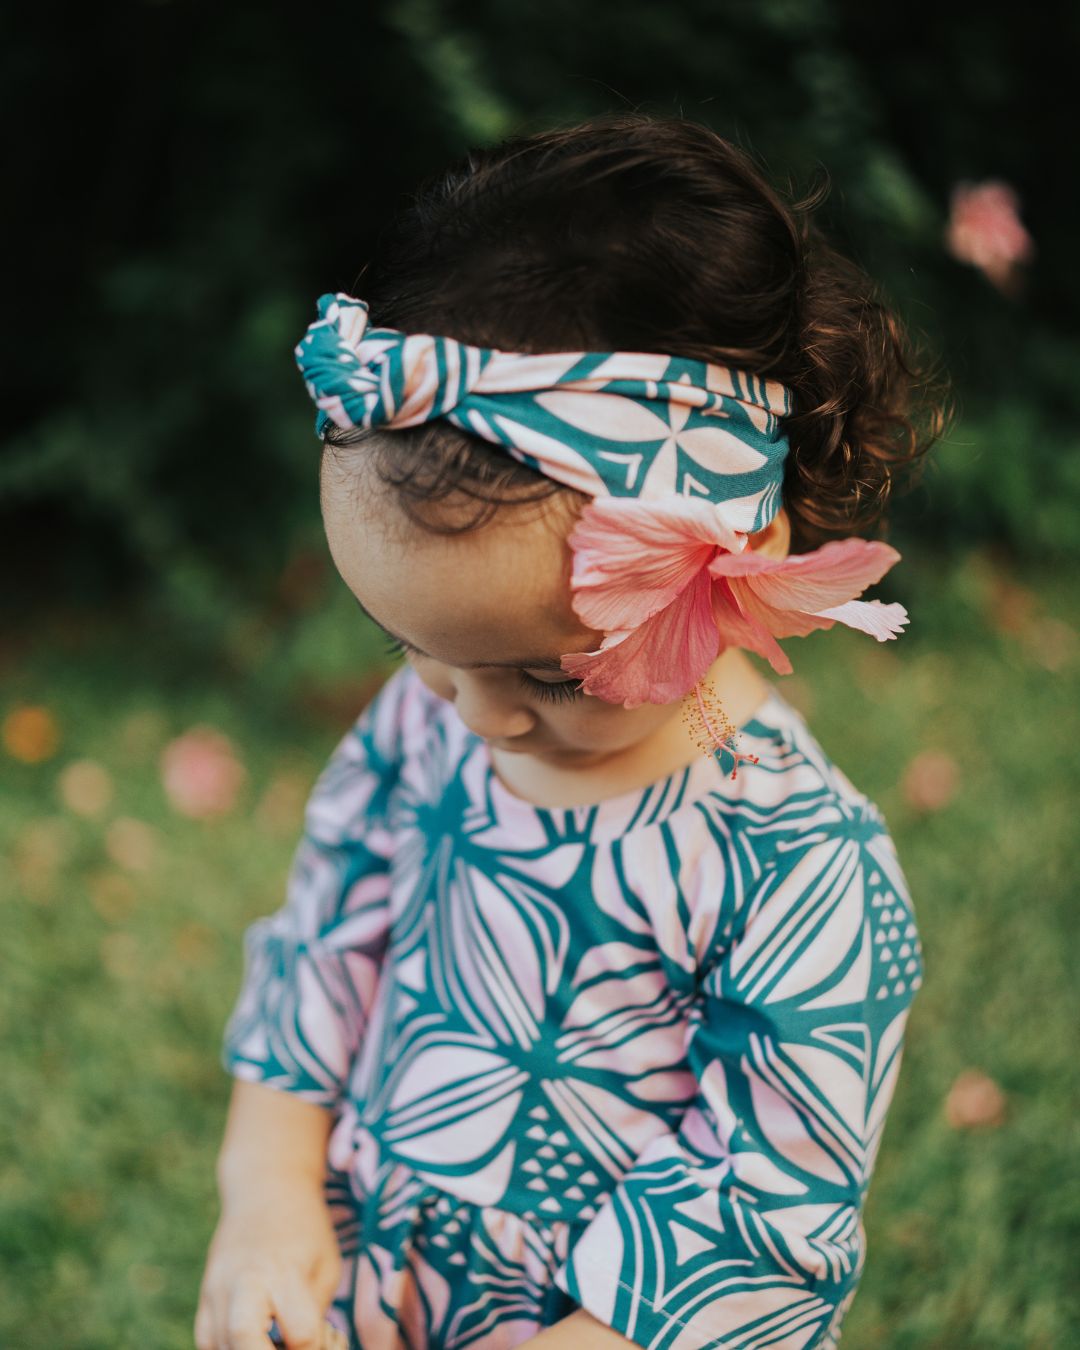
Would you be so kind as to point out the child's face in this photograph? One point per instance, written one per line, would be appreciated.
(499, 596)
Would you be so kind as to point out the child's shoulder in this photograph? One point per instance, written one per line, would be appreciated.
(795, 798)
(793, 770)
(799, 809)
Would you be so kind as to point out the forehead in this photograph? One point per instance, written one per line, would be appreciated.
(485, 594)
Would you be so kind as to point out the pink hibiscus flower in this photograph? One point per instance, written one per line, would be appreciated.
(985, 230)
(671, 586)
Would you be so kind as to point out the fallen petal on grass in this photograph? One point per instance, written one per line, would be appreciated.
(974, 1102)
(931, 780)
(201, 773)
(85, 787)
(30, 734)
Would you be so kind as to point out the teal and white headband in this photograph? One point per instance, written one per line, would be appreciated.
(621, 424)
(683, 460)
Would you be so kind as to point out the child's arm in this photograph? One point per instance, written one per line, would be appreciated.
(270, 1132)
(274, 1252)
(311, 974)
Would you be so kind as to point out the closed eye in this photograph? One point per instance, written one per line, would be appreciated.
(555, 691)
(551, 691)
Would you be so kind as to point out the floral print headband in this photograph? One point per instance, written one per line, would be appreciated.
(683, 460)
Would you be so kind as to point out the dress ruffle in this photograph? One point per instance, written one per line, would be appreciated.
(434, 1270)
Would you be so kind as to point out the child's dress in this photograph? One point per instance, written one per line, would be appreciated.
(633, 1056)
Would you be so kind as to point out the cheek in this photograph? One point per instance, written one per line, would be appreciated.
(597, 725)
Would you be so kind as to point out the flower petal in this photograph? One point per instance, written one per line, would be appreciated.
(740, 628)
(871, 616)
(633, 556)
(782, 623)
(661, 659)
(793, 596)
(830, 575)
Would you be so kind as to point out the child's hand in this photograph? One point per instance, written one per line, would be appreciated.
(273, 1254)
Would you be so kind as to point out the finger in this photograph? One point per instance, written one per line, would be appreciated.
(248, 1317)
(204, 1330)
(298, 1313)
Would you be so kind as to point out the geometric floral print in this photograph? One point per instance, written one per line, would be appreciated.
(634, 1056)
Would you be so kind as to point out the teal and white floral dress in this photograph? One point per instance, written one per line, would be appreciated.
(634, 1056)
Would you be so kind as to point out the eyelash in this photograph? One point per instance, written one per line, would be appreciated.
(560, 692)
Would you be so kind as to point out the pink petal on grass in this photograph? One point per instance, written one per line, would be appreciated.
(85, 787)
(201, 773)
(974, 1101)
(633, 557)
(661, 659)
(30, 734)
(930, 780)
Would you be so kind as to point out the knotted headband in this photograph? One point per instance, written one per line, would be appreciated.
(683, 460)
(621, 424)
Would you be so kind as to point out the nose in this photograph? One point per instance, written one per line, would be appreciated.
(491, 715)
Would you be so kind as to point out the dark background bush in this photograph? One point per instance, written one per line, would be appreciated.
(190, 177)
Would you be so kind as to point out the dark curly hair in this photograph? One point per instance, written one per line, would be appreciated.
(640, 233)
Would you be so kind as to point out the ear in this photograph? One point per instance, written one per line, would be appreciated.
(774, 541)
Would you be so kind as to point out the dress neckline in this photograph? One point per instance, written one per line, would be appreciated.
(637, 807)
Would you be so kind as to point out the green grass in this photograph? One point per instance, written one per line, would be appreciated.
(116, 983)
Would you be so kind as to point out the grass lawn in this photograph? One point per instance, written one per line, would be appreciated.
(123, 923)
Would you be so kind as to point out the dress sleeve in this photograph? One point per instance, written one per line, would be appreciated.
(311, 969)
(744, 1227)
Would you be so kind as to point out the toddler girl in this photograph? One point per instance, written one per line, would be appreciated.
(569, 1033)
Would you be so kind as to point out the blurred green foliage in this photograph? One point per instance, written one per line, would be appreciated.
(196, 175)
(121, 969)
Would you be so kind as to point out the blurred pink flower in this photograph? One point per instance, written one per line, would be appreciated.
(201, 773)
(984, 230)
